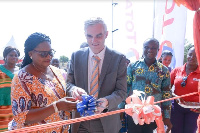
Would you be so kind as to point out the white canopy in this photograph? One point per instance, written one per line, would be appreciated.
(12, 43)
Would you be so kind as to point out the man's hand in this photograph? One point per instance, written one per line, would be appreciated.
(77, 93)
(168, 123)
(102, 104)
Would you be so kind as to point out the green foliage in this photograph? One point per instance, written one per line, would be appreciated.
(63, 59)
(187, 45)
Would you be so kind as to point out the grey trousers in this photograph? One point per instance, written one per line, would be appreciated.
(92, 126)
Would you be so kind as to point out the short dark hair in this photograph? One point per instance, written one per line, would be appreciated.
(8, 49)
(192, 46)
(164, 53)
(149, 40)
(84, 44)
(32, 42)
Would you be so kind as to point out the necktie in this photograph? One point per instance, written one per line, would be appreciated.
(94, 84)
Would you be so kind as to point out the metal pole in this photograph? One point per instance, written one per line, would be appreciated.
(113, 4)
(153, 18)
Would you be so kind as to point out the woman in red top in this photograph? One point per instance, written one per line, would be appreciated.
(185, 79)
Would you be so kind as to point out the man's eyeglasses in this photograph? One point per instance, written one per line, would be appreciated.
(44, 54)
(183, 84)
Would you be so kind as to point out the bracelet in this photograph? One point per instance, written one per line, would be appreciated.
(55, 107)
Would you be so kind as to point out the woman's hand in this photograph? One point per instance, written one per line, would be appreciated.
(37, 115)
(66, 104)
(70, 99)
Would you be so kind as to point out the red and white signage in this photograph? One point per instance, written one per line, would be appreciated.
(170, 28)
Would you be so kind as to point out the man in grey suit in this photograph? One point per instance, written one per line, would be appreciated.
(111, 82)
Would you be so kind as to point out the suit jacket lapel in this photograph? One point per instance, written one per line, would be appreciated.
(106, 63)
(84, 66)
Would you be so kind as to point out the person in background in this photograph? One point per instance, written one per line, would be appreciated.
(123, 115)
(122, 104)
(55, 62)
(7, 71)
(127, 62)
(166, 58)
(38, 90)
(18, 65)
(109, 84)
(185, 79)
(153, 78)
(84, 44)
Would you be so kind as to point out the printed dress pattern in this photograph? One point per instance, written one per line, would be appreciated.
(30, 92)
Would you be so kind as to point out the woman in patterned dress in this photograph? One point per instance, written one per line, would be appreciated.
(38, 90)
(7, 71)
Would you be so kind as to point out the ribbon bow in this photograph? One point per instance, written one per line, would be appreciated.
(144, 111)
(87, 106)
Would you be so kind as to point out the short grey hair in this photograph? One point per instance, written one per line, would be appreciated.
(93, 21)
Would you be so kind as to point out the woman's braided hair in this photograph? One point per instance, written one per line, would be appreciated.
(31, 43)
